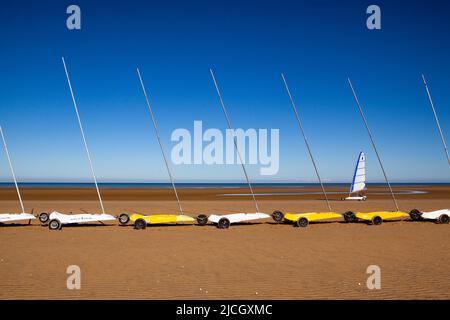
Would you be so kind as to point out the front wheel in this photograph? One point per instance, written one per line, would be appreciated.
(140, 224)
(278, 216)
(124, 218)
(43, 217)
(376, 221)
(415, 214)
(55, 225)
(349, 216)
(202, 219)
(302, 222)
(223, 223)
(443, 219)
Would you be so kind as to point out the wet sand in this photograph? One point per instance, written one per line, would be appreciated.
(263, 260)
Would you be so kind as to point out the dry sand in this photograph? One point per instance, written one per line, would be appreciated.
(248, 261)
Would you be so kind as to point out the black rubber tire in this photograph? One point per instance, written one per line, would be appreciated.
(443, 219)
(349, 217)
(302, 222)
(202, 219)
(377, 220)
(140, 224)
(415, 215)
(55, 224)
(44, 217)
(223, 223)
(278, 216)
(124, 219)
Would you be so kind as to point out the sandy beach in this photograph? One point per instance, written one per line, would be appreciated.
(261, 260)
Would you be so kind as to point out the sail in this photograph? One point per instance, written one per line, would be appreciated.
(359, 177)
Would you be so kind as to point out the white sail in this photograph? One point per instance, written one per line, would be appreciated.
(359, 177)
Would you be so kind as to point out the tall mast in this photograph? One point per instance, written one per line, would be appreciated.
(12, 170)
(436, 118)
(234, 139)
(306, 141)
(373, 143)
(84, 138)
(159, 141)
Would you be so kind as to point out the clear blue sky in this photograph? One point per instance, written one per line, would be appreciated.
(317, 44)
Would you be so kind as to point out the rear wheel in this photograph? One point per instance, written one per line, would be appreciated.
(54, 225)
(443, 219)
(124, 218)
(223, 223)
(302, 222)
(415, 215)
(140, 224)
(43, 217)
(376, 221)
(202, 219)
(278, 216)
(349, 216)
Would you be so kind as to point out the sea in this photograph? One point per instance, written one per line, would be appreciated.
(201, 185)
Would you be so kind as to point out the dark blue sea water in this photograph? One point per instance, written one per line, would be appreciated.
(125, 185)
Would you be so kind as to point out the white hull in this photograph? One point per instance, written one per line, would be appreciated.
(10, 217)
(238, 217)
(80, 218)
(356, 198)
(434, 215)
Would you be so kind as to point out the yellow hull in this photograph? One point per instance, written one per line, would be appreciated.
(162, 218)
(385, 215)
(312, 216)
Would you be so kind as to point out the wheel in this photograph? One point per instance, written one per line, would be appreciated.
(123, 218)
(349, 216)
(302, 222)
(415, 215)
(54, 224)
(443, 219)
(140, 224)
(223, 223)
(278, 216)
(202, 219)
(376, 221)
(364, 198)
(43, 217)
